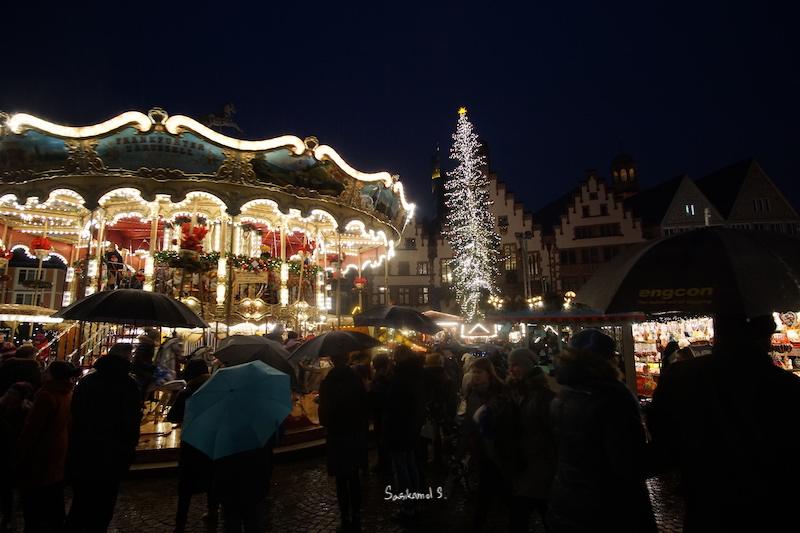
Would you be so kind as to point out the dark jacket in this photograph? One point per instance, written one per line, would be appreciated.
(195, 469)
(404, 414)
(727, 420)
(106, 413)
(602, 451)
(344, 412)
(471, 440)
(243, 479)
(441, 395)
(522, 443)
(143, 362)
(343, 402)
(42, 447)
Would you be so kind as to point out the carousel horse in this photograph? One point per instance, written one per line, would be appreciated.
(222, 119)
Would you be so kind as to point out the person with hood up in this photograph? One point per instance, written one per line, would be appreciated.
(602, 447)
(106, 413)
(41, 450)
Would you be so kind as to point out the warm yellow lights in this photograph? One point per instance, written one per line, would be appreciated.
(22, 121)
(462, 110)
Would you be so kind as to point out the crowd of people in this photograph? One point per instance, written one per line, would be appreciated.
(561, 438)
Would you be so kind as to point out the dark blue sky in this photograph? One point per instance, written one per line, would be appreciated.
(554, 89)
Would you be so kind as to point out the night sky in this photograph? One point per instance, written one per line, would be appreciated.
(554, 88)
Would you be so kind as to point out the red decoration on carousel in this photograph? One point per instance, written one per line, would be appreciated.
(360, 283)
(41, 243)
(192, 237)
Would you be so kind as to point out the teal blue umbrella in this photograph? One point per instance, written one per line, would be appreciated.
(238, 409)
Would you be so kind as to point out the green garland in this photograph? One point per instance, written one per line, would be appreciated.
(202, 263)
(206, 262)
(36, 284)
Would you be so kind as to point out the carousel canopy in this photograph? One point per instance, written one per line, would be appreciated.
(136, 168)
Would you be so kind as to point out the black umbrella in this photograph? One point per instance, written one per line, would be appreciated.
(394, 316)
(707, 271)
(240, 349)
(334, 342)
(132, 306)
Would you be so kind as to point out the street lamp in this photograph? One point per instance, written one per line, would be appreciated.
(568, 297)
(496, 301)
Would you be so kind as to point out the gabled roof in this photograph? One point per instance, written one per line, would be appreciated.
(651, 205)
(550, 215)
(722, 187)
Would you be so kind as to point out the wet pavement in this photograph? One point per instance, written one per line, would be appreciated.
(303, 500)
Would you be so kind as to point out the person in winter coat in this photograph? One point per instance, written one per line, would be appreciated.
(41, 450)
(403, 418)
(723, 419)
(144, 365)
(484, 387)
(441, 402)
(14, 408)
(376, 396)
(195, 469)
(343, 410)
(522, 442)
(106, 413)
(22, 367)
(602, 448)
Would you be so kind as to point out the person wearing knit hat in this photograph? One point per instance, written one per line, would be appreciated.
(523, 358)
(434, 359)
(595, 417)
(63, 370)
(24, 389)
(523, 445)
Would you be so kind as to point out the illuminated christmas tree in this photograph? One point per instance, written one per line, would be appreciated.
(470, 225)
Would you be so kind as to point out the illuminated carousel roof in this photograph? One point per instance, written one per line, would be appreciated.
(137, 166)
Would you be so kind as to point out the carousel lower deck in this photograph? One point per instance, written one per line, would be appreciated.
(160, 439)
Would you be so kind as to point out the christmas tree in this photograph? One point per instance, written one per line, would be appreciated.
(470, 225)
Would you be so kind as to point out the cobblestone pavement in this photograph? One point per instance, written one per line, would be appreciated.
(303, 500)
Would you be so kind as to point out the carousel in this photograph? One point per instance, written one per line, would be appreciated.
(250, 234)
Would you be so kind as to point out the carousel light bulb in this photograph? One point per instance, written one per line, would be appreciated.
(220, 293)
(91, 269)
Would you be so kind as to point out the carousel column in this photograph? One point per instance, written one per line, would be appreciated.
(284, 293)
(232, 245)
(222, 267)
(339, 278)
(93, 255)
(149, 262)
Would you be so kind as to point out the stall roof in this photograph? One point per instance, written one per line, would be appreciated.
(577, 316)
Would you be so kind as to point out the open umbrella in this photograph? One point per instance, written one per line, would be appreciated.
(239, 349)
(394, 316)
(334, 342)
(237, 409)
(132, 306)
(704, 271)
